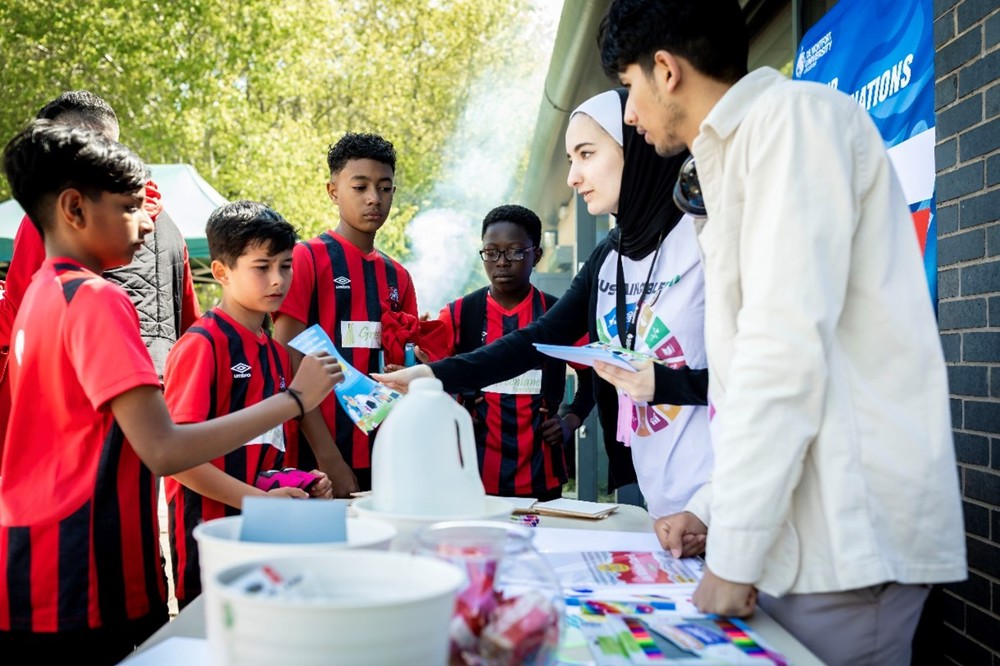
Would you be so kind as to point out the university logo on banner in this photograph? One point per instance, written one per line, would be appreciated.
(881, 53)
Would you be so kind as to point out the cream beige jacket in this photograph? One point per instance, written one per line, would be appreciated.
(834, 461)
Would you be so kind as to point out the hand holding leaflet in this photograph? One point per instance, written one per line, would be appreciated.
(366, 401)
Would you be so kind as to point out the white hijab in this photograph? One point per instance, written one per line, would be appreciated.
(606, 110)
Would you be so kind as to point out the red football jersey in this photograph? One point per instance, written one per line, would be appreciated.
(79, 539)
(334, 282)
(26, 258)
(513, 458)
(218, 367)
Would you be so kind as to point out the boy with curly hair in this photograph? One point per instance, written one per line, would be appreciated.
(343, 283)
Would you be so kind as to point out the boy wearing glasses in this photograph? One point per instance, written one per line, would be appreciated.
(341, 282)
(519, 436)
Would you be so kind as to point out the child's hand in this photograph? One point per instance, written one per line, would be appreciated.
(559, 429)
(400, 379)
(316, 377)
(296, 493)
(420, 355)
(342, 480)
(321, 488)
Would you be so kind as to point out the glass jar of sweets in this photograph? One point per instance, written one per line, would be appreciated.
(510, 611)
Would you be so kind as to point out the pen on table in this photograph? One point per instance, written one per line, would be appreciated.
(529, 519)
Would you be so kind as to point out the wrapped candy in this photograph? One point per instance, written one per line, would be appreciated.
(519, 630)
(509, 613)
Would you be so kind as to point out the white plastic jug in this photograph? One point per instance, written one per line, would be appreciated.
(424, 461)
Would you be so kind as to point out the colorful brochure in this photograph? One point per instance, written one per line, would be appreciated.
(366, 401)
(713, 638)
(623, 640)
(598, 605)
(596, 351)
(613, 568)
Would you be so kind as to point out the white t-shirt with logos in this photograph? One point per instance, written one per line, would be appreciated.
(671, 447)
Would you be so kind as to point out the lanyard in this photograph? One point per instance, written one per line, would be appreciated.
(627, 337)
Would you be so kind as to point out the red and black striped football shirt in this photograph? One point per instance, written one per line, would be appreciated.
(335, 282)
(79, 537)
(514, 460)
(218, 367)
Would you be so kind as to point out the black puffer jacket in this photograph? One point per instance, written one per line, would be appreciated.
(155, 283)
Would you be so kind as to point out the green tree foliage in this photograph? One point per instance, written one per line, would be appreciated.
(251, 92)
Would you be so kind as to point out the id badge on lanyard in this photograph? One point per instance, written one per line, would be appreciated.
(626, 332)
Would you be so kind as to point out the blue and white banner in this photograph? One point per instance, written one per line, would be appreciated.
(881, 52)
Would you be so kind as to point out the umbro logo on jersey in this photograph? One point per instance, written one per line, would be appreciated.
(240, 371)
(342, 282)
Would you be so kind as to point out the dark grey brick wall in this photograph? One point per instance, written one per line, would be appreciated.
(965, 617)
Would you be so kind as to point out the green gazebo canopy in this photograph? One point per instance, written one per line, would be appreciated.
(186, 196)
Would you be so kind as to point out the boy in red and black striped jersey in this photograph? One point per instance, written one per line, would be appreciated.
(344, 284)
(225, 362)
(81, 571)
(520, 436)
(158, 281)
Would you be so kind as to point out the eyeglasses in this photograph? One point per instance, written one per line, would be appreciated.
(687, 190)
(512, 254)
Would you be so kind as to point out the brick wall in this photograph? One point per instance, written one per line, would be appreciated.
(967, 98)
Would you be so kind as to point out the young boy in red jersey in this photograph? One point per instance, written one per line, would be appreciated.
(225, 362)
(158, 280)
(81, 573)
(520, 436)
(344, 284)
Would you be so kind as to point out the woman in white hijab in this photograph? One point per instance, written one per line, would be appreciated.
(649, 297)
(641, 288)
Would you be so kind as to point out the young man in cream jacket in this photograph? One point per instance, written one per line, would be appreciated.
(835, 493)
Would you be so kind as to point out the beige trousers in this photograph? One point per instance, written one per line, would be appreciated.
(871, 626)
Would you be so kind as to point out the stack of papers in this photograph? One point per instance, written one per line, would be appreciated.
(564, 508)
(629, 602)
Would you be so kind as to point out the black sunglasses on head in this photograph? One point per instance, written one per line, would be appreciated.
(687, 191)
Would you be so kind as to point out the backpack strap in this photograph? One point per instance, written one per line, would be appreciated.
(469, 317)
(471, 325)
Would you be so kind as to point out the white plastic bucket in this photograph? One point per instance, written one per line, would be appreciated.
(219, 544)
(487, 507)
(386, 609)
